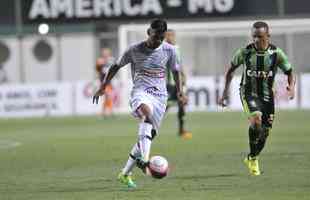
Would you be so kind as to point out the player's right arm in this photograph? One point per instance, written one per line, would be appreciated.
(122, 61)
(99, 63)
(235, 63)
(99, 68)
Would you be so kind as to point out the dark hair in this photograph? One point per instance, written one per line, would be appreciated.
(159, 25)
(261, 24)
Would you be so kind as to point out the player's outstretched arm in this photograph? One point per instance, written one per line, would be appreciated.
(112, 71)
(228, 77)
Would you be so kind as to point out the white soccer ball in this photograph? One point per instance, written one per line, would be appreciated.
(158, 167)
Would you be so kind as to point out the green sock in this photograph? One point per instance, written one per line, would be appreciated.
(253, 141)
(262, 139)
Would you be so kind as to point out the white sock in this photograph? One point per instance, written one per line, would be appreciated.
(145, 135)
(131, 162)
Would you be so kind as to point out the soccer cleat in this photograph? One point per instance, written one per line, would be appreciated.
(127, 180)
(252, 164)
(186, 135)
(142, 164)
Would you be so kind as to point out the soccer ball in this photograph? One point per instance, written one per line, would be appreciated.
(158, 167)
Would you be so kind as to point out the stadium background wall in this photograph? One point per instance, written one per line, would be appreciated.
(75, 98)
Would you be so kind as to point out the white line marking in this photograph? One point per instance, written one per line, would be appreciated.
(7, 144)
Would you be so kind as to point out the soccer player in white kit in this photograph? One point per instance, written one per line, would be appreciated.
(149, 60)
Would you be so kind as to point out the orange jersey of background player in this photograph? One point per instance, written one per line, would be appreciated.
(103, 63)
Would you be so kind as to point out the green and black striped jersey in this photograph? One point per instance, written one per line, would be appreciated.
(259, 69)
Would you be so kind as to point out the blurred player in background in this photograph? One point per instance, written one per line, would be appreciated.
(149, 60)
(170, 37)
(260, 60)
(103, 63)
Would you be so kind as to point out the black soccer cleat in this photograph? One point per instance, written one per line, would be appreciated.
(142, 164)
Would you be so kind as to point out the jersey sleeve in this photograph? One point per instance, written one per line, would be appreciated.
(237, 58)
(125, 58)
(178, 54)
(173, 63)
(283, 62)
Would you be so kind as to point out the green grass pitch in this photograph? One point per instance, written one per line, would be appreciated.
(79, 158)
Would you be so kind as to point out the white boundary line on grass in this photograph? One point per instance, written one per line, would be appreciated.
(8, 144)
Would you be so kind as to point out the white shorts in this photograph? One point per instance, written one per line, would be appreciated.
(157, 106)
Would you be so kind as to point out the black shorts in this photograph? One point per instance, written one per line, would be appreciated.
(172, 92)
(252, 105)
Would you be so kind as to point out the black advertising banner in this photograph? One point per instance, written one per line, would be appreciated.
(300, 7)
(7, 10)
(76, 11)
(64, 11)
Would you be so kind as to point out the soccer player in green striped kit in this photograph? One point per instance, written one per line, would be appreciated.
(260, 61)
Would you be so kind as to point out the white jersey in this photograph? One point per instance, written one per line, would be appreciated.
(148, 66)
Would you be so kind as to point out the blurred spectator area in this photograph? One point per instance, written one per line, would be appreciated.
(69, 51)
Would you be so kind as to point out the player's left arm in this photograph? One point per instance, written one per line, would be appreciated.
(286, 67)
(175, 67)
(183, 76)
(179, 86)
(179, 62)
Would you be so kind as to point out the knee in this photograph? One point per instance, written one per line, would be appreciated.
(144, 111)
(256, 119)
